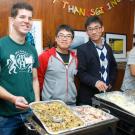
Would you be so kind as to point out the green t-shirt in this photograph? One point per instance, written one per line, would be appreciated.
(16, 62)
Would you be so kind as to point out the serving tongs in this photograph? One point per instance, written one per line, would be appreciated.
(55, 119)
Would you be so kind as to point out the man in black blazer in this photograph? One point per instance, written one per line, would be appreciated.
(97, 67)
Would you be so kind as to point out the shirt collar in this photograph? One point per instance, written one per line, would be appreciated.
(99, 46)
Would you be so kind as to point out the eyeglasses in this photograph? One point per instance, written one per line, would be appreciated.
(65, 36)
(93, 29)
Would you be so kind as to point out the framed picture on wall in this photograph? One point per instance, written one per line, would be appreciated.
(35, 35)
(80, 38)
(118, 44)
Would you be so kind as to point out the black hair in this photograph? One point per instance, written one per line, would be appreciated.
(20, 5)
(93, 19)
(65, 27)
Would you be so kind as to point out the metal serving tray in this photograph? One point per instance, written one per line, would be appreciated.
(114, 110)
(121, 100)
(53, 108)
(95, 129)
(127, 120)
(91, 115)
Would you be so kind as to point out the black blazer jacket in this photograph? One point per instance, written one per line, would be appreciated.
(89, 70)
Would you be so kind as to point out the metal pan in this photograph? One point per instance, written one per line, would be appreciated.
(114, 110)
(56, 107)
(120, 100)
(100, 128)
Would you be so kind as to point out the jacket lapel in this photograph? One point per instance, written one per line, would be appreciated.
(94, 51)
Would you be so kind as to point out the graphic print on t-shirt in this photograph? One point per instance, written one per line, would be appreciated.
(21, 61)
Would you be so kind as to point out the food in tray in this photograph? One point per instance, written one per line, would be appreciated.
(117, 98)
(56, 109)
(120, 99)
(91, 115)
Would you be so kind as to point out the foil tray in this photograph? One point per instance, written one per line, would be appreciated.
(120, 99)
(56, 128)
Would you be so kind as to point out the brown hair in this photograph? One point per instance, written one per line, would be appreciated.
(21, 5)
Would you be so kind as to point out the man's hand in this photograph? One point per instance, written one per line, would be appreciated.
(21, 103)
(101, 86)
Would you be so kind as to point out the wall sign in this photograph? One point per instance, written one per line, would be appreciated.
(88, 12)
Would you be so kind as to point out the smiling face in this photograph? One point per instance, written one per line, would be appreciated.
(94, 31)
(64, 39)
(22, 23)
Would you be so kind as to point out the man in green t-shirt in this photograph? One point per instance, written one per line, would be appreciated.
(18, 75)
